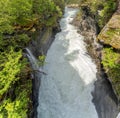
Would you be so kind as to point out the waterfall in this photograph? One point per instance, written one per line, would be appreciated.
(32, 59)
(65, 91)
(34, 62)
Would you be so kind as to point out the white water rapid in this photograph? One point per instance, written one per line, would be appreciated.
(65, 91)
(118, 115)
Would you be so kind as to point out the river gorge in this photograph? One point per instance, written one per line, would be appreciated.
(66, 88)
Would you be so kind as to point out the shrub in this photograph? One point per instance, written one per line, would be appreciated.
(10, 69)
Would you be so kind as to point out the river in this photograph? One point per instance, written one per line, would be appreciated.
(65, 91)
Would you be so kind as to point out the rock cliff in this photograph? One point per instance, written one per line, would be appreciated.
(110, 38)
(101, 34)
(110, 34)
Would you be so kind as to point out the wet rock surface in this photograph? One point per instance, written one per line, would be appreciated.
(105, 100)
(39, 46)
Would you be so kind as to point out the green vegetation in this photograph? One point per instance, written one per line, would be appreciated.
(7, 75)
(41, 60)
(19, 19)
(18, 107)
(108, 8)
(46, 12)
(110, 58)
(111, 63)
(102, 9)
(73, 1)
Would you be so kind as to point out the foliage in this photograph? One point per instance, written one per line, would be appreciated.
(17, 13)
(10, 69)
(18, 107)
(17, 41)
(25, 14)
(17, 19)
(108, 8)
(22, 11)
(110, 58)
(60, 4)
(45, 10)
(5, 17)
(72, 1)
(101, 11)
(13, 13)
(41, 60)
(111, 63)
(15, 104)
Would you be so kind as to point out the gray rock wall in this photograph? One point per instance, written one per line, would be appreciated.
(39, 46)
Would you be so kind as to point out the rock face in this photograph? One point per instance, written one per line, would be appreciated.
(39, 46)
(109, 37)
(104, 98)
(110, 34)
(88, 28)
(41, 42)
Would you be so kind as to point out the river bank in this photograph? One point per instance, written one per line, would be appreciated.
(104, 96)
(67, 82)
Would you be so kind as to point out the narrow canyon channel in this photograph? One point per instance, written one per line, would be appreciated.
(65, 91)
(70, 86)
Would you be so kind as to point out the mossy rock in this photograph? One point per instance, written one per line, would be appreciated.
(111, 63)
(110, 34)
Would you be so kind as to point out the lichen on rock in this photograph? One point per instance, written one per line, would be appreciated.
(110, 34)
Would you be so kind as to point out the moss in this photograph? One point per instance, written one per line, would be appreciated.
(114, 75)
(112, 32)
(111, 63)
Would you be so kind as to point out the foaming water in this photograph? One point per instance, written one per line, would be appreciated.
(65, 91)
(118, 115)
